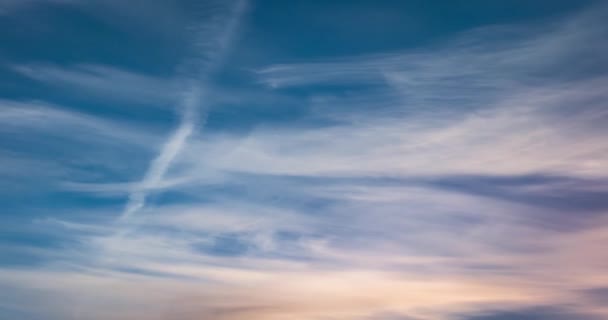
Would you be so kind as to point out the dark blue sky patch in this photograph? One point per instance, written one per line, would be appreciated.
(68, 34)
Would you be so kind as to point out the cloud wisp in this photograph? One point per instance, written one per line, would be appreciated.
(460, 180)
(191, 112)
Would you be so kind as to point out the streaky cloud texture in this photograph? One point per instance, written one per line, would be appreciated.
(303, 160)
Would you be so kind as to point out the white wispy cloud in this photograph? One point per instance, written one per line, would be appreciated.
(552, 130)
(50, 144)
(27, 117)
(484, 59)
(355, 218)
(104, 83)
(190, 108)
(309, 290)
(465, 106)
(168, 152)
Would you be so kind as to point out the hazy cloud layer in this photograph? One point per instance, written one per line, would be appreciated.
(463, 178)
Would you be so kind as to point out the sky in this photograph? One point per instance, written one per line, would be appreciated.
(303, 160)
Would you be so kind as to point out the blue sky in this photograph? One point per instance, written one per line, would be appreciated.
(317, 160)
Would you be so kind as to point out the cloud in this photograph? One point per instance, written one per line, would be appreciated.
(35, 116)
(476, 192)
(538, 313)
(53, 143)
(104, 83)
(168, 152)
(462, 107)
(483, 60)
(537, 125)
(305, 295)
(555, 193)
(402, 254)
(190, 108)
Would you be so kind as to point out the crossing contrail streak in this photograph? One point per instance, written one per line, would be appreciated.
(192, 109)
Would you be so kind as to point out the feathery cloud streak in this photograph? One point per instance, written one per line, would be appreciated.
(459, 180)
(190, 104)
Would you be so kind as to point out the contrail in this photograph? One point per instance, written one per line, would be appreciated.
(170, 150)
(192, 111)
